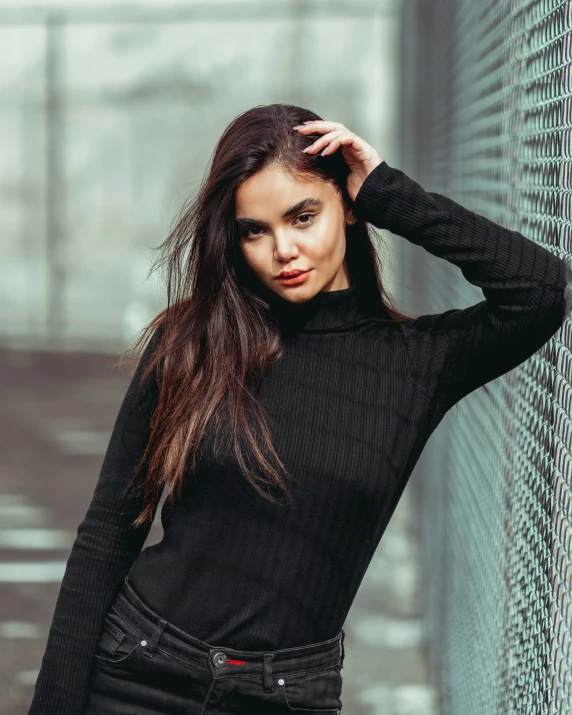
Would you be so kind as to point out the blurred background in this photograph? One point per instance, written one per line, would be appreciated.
(109, 115)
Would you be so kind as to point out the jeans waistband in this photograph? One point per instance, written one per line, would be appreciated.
(223, 661)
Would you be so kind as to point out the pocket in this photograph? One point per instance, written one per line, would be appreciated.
(317, 692)
(118, 643)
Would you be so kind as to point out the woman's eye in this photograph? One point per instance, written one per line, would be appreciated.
(308, 216)
(247, 231)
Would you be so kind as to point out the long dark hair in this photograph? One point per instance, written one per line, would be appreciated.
(216, 337)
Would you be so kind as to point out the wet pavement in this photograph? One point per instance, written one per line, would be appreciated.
(56, 414)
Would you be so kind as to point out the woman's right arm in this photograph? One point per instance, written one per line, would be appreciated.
(101, 556)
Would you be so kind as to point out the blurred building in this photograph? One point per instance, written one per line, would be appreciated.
(110, 113)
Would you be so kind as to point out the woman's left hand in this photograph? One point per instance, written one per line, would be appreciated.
(360, 157)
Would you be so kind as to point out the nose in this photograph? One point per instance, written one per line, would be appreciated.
(285, 247)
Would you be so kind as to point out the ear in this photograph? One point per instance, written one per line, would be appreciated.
(350, 218)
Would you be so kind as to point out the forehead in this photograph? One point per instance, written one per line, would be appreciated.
(270, 191)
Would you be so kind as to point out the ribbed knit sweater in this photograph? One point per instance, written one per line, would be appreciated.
(351, 405)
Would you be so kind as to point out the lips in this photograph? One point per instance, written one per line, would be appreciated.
(293, 278)
(290, 274)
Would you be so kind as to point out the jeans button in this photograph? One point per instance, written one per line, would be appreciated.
(219, 659)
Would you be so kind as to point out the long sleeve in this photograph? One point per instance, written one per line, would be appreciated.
(453, 353)
(102, 554)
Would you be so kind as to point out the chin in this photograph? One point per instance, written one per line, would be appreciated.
(299, 297)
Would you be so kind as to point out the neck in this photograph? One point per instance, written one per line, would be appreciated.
(327, 311)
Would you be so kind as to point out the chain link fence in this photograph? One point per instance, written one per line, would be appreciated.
(488, 121)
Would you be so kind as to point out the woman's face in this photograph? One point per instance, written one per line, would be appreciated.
(288, 224)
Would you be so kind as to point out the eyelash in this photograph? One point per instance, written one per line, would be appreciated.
(246, 232)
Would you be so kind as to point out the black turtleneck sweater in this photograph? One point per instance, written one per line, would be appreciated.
(351, 405)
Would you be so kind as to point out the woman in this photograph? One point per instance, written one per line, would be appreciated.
(285, 416)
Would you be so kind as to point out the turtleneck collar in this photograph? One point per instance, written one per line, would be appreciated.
(327, 311)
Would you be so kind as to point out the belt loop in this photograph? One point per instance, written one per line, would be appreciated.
(152, 642)
(267, 673)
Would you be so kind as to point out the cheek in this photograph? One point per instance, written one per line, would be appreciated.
(255, 255)
(327, 242)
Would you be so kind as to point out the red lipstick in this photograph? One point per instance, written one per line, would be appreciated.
(292, 278)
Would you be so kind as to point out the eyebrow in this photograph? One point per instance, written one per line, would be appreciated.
(304, 204)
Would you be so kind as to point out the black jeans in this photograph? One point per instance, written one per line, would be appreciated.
(144, 665)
